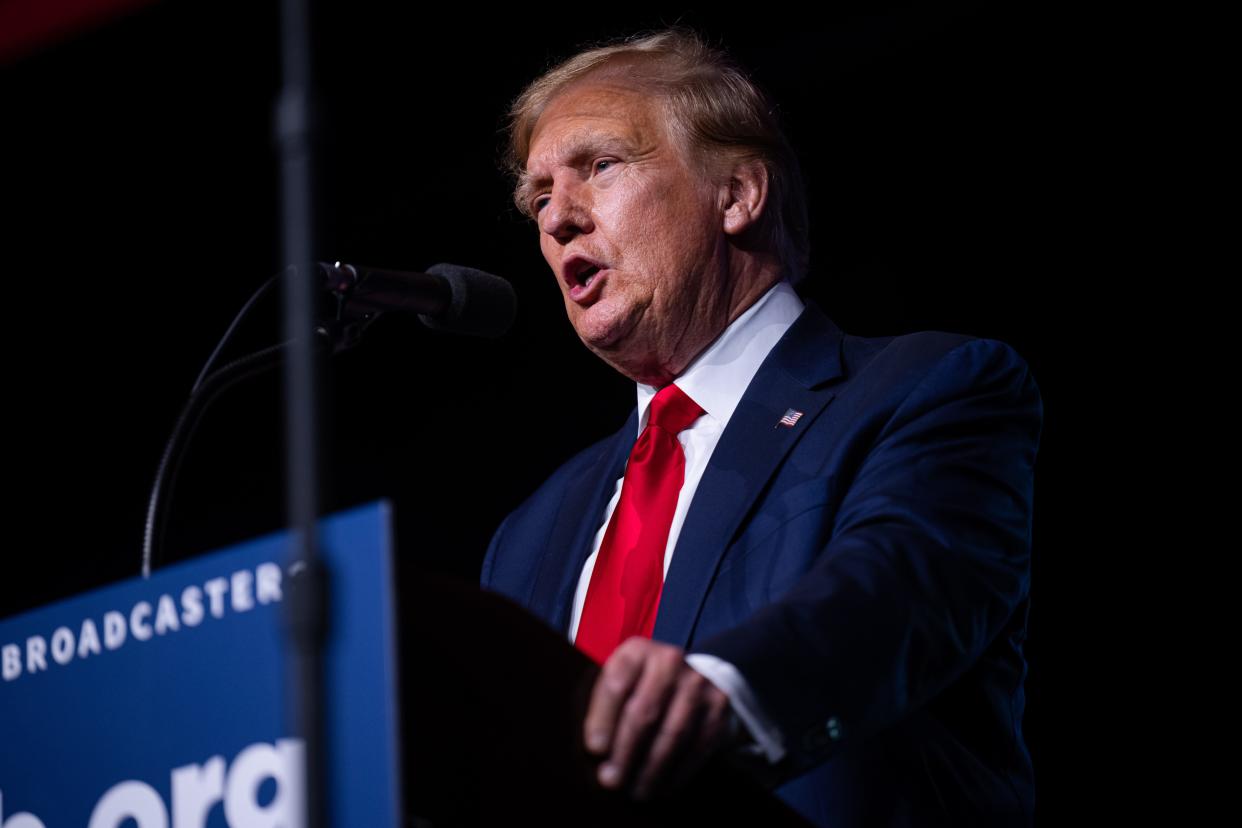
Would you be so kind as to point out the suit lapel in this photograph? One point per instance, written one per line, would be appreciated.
(579, 517)
(750, 450)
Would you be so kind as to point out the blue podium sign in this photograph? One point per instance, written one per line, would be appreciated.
(161, 703)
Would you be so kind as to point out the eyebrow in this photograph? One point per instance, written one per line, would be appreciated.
(572, 152)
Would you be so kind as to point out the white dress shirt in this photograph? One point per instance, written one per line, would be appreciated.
(716, 380)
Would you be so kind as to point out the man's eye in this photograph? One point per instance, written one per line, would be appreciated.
(539, 203)
(603, 164)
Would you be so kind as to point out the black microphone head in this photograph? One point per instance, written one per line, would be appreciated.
(482, 304)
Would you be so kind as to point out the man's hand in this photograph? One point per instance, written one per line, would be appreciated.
(653, 718)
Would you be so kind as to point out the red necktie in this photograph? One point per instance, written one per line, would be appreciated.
(624, 593)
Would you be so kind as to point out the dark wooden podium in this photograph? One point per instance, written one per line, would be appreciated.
(492, 709)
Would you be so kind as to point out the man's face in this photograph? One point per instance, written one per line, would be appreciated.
(631, 229)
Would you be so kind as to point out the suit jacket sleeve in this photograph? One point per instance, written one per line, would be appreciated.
(927, 559)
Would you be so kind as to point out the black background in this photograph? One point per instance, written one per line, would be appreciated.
(942, 151)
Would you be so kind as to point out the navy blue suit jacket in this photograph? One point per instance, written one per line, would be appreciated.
(867, 570)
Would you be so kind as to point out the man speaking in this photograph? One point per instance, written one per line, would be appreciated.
(805, 544)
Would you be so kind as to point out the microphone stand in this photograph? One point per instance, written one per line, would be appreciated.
(447, 298)
(306, 608)
(464, 301)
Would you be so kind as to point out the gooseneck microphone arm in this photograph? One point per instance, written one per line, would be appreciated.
(447, 297)
(207, 390)
(263, 290)
(208, 386)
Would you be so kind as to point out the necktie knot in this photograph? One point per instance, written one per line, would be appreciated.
(673, 410)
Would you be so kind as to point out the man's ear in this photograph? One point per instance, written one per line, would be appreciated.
(747, 196)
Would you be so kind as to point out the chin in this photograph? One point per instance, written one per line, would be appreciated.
(604, 329)
(628, 357)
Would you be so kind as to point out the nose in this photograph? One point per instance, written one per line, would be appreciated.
(567, 213)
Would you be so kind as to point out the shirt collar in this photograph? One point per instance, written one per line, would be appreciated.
(717, 378)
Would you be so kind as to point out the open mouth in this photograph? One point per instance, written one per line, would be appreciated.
(581, 275)
(586, 277)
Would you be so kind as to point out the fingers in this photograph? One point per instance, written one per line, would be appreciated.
(718, 728)
(675, 736)
(644, 714)
(628, 704)
(613, 687)
(654, 718)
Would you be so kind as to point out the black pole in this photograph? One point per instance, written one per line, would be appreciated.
(306, 609)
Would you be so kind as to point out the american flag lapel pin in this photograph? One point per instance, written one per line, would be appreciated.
(791, 417)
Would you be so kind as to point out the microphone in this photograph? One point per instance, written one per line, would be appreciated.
(447, 297)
